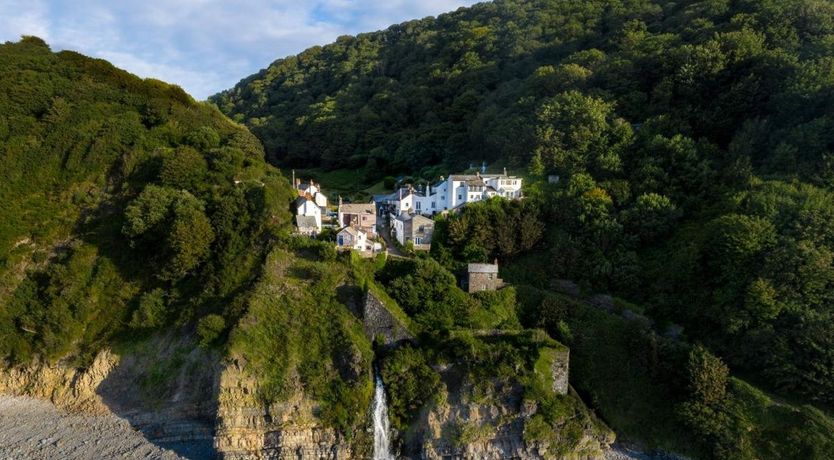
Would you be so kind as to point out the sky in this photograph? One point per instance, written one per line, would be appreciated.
(205, 46)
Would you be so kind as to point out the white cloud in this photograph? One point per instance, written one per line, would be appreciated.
(23, 17)
(202, 45)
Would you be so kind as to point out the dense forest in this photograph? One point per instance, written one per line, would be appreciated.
(127, 206)
(691, 143)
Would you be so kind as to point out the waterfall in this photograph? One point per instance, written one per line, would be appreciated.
(382, 443)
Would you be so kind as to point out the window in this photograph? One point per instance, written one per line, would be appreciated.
(460, 197)
(417, 206)
(432, 204)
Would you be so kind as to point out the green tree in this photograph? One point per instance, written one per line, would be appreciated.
(185, 168)
(209, 329)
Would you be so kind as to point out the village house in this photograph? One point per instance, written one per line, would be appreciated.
(413, 228)
(352, 238)
(310, 190)
(358, 215)
(307, 208)
(450, 194)
(482, 277)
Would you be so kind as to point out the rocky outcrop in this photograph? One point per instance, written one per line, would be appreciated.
(165, 387)
(493, 428)
(379, 322)
(66, 387)
(559, 369)
(250, 429)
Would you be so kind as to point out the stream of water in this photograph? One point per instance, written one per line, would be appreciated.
(382, 429)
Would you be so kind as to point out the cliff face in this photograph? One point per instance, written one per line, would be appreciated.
(247, 428)
(466, 425)
(67, 388)
(165, 387)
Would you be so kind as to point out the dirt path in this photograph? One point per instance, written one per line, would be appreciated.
(35, 429)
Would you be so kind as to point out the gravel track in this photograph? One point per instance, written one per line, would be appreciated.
(36, 429)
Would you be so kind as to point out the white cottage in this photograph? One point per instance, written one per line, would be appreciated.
(307, 208)
(451, 193)
(352, 238)
(310, 190)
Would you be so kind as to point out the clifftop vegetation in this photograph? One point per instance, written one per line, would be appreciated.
(127, 206)
(689, 145)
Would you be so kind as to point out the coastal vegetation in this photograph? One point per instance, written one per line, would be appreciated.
(676, 155)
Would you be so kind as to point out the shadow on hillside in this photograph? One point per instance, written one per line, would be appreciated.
(167, 388)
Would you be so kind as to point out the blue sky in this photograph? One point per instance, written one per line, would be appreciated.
(202, 45)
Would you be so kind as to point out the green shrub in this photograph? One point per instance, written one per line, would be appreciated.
(410, 382)
(209, 329)
(151, 312)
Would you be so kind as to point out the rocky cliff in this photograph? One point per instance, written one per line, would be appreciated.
(165, 387)
(248, 428)
(66, 387)
(466, 424)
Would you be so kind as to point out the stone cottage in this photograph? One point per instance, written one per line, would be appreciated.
(413, 228)
(483, 277)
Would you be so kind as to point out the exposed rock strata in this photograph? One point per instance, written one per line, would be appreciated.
(249, 429)
(165, 388)
(66, 387)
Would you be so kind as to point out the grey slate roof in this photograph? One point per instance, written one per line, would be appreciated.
(358, 208)
(305, 222)
(300, 201)
(483, 268)
(350, 230)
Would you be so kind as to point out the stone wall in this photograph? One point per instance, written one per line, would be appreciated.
(379, 322)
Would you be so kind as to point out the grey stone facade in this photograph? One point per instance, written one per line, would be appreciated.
(483, 277)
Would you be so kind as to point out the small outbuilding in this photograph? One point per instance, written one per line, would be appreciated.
(482, 277)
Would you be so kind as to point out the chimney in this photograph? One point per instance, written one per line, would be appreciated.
(428, 189)
(505, 170)
(401, 193)
(340, 201)
(293, 178)
(496, 261)
(477, 174)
